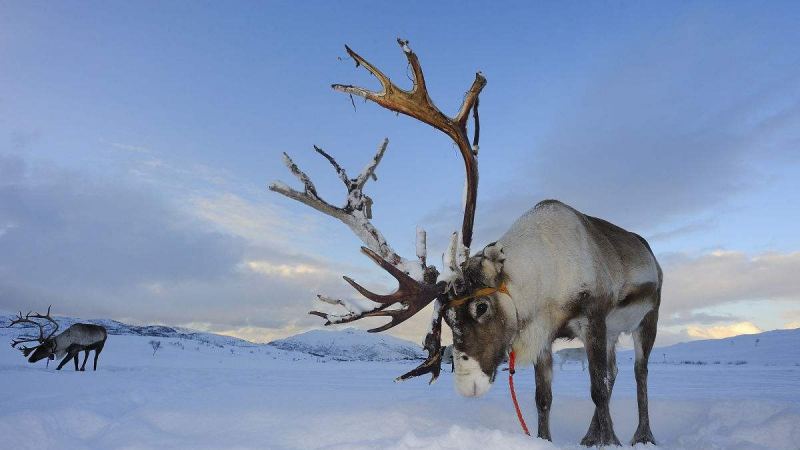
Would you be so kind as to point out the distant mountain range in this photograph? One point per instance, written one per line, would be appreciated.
(778, 347)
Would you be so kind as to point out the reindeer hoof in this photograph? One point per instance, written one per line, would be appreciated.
(545, 436)
(643, 436)
(597, 438)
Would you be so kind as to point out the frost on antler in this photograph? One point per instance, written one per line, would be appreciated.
(356, 214)
(357, 210)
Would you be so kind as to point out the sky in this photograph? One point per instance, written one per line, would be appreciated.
(137, 140)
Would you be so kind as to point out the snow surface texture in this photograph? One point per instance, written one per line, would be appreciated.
(198, 395)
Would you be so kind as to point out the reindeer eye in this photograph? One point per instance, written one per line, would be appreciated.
(480, 309)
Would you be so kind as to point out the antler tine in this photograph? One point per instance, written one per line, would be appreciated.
(398, 316)
(49, 319)
(419, 87)
(386, 84)
(417, 103)
(28, 318)
(411, 294)
(357, 210)
(15, 342)
(433, 345)
(407, 284)
(471, 99)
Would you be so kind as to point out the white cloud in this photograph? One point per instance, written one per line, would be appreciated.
(792, 319)
(283, 270)
(722, 331)
(260, 223)
(724, 276)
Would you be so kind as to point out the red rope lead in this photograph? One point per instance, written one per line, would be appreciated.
(514, 394)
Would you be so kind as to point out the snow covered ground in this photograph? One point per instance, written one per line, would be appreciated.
(200, 395)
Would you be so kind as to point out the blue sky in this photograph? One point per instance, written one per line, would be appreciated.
(137, 140)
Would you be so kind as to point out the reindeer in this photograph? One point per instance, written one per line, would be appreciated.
(571, 354)
(80, 337)
(556, 273)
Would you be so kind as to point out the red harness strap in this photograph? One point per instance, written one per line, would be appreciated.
(514, 394)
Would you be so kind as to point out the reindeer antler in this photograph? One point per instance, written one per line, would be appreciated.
(417, 103)
(418, 284)
(357, 210)
(411, 295)
(356, 214)
(28, 319)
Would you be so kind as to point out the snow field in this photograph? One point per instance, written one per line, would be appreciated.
(210, 397)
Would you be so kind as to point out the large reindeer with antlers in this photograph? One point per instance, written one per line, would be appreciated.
(79, 337)
(556, 273)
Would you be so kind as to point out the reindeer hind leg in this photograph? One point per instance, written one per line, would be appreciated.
(97, 351)
(601, 431)
(85, 357)
(543, 369)
(611, 359)
(643, 339)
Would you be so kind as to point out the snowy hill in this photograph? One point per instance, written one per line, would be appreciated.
(771, 348)
(351, 344)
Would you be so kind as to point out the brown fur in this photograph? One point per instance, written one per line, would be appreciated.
(486, 336)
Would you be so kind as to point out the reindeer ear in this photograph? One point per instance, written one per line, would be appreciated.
(492, 263)
(494, 252)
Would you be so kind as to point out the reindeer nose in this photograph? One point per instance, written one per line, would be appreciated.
(465, 358)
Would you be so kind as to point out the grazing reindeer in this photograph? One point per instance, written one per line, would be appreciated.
(80, 337)
(556, 273)
(571, 354)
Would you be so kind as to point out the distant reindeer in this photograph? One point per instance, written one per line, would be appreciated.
(447, 357)
(572, 354)
(80, 337)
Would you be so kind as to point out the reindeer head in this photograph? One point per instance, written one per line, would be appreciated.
(46, 349)
(483, 321)
(47, 344)
(468, 292)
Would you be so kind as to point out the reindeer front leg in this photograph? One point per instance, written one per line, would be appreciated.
(72, 353)
(544, 396)
(601, 430)
(65, 360)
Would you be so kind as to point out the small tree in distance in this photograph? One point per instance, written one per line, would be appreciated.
(156, 345)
